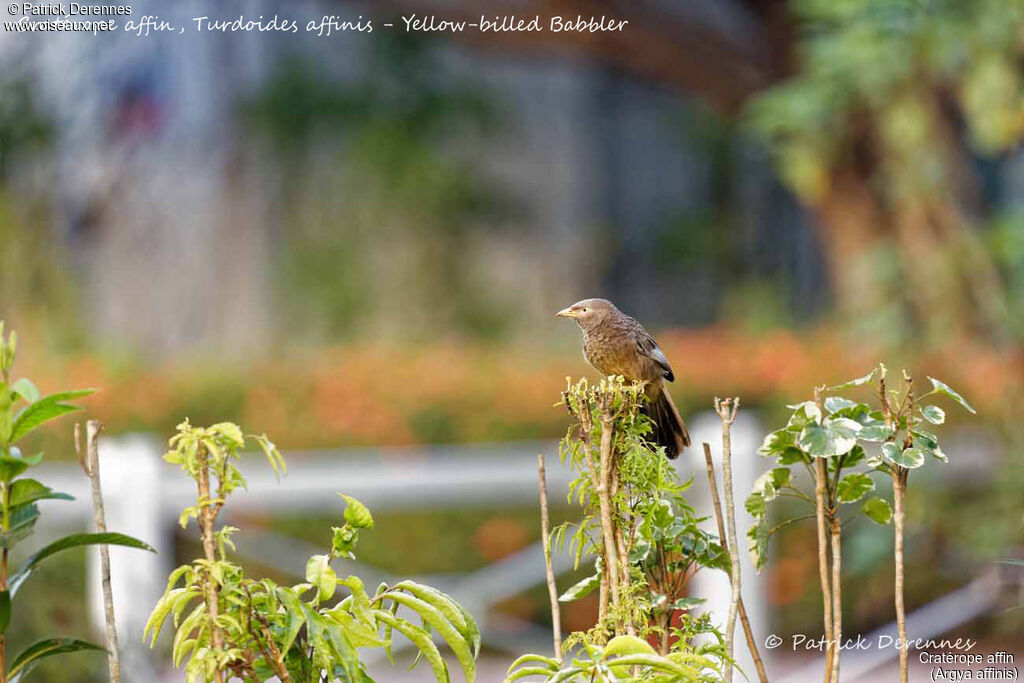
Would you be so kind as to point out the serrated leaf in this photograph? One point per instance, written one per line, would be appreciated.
(878, 510)
(357, 514)
(854, 486)
(943, 388)
(933, 414)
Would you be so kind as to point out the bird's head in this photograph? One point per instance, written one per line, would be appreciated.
(588, 312)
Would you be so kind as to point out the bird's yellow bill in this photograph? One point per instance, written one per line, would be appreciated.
(566, 313)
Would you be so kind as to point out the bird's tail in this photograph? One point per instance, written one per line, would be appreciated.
(669, 428)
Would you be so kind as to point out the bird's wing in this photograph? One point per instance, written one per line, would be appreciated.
(648, 347)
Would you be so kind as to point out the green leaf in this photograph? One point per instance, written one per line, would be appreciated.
(29, 490)
(38, 413)
(320, 574)
(860, 381)
(463, 621)
(628, 645)
(421, 639)
(26, 390)
(5, 610)
(756, 505)
(943, 388)
(835, 436)
(296, 617)
(875, 430)
(433, 616)
(782, 444)
(14, 464)
(803, 414)
(581, 588)
(933, 414)
(23, 520)
(878, 510)
(854, 486)
(47, 648)
(688, 603)
(273, 455)
(74, 541)
(910, 458)
(229, 432)
(758, 535)
(356, 514)
(834, 404)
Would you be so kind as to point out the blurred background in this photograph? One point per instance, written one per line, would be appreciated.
(357, 243)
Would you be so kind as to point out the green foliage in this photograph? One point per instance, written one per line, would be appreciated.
(660, 547)
(256, 629)
(623, 658)
(857, 439)
(23, 409)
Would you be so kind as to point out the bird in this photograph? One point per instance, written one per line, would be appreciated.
(616, 344)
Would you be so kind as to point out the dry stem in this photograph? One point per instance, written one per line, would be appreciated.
(89, 459)
(726, 410)
(748, 632)
(545, 529)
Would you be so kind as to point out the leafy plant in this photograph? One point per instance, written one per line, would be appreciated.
(840, 443)
(22, 410)
(622, 658)
(644, 540)
(229, 625)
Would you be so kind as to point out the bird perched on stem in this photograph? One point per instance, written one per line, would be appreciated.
(616, 344)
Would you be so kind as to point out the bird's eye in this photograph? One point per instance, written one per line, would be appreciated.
(584, 310)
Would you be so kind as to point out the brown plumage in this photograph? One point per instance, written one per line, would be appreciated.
(616, 344)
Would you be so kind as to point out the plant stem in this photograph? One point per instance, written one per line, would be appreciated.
(595, 479)
(899, 482)
(604, 499)
(820, 474)
(206, 519)
(89, 459)
(5, 524)
(748, 632)
(545, 526)
(726, 410)
(837, 601)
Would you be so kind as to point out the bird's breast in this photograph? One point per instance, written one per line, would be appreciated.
(610, 356)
